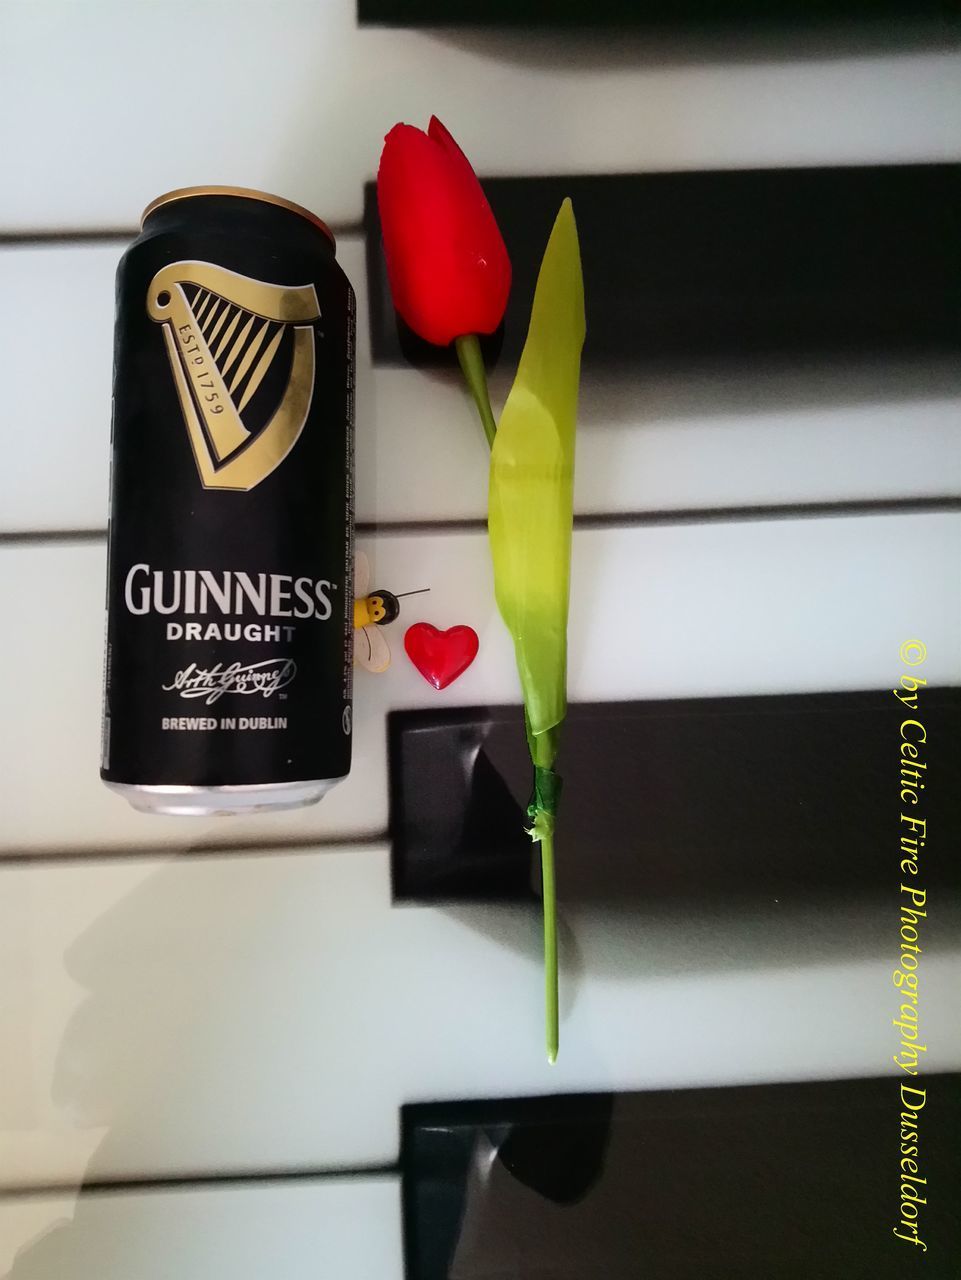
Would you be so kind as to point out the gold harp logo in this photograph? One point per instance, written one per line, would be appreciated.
(223, 332)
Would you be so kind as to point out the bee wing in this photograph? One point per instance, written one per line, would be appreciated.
(371, 650)
(361, 574)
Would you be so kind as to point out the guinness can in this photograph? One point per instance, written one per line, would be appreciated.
(228, 666)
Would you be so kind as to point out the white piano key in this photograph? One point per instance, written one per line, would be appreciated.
(666, 611)
(314, 1229)
(268, 1012)
(647, 443)
(299, 99)
(57, 434)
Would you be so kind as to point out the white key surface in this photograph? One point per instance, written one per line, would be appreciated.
(678, 610)
(298, 100)
(314, 1229)
(258, 1012)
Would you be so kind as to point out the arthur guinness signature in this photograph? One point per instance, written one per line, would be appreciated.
(211, 683)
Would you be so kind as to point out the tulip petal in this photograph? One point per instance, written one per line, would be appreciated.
(439, 133)
(497, 261)
(447, 266)
(417, 205)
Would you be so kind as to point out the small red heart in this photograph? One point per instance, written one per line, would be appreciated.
(440, 656)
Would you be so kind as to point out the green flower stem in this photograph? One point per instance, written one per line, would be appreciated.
(550, 947)
(543, 753)
(472, 366)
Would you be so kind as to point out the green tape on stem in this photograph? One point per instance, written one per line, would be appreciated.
(547, 792)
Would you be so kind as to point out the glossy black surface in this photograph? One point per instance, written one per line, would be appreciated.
(709, 266)
(645, 13)
(793, 1182)
(717, 799)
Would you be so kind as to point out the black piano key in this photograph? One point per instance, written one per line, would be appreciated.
(791, 1180)
(708, 799)
(711, 15)
(728, 265)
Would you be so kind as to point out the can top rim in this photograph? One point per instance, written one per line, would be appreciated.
(243, 193)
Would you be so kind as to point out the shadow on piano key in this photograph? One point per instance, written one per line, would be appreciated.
(792, 1181)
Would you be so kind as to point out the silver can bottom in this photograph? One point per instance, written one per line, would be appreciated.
(206, 802)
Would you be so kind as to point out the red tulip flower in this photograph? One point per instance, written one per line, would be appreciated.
(449, 272)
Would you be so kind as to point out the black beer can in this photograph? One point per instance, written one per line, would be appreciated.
(228, 665)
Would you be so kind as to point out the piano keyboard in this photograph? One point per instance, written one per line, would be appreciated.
(216, 1025)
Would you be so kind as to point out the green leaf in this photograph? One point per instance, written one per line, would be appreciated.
(531, 499)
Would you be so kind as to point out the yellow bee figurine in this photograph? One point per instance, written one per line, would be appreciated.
(373, 609)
